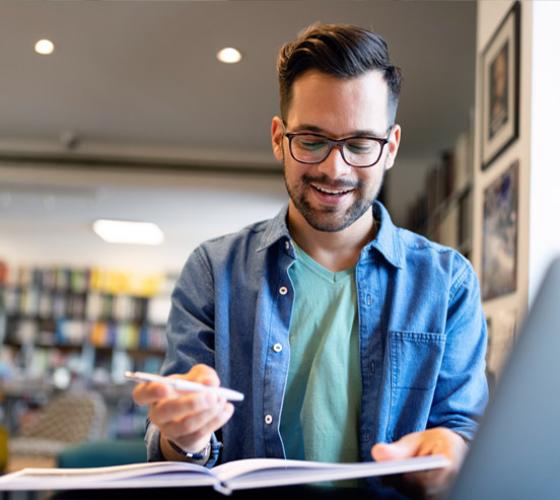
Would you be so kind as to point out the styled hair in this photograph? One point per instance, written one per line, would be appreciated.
(340, 50)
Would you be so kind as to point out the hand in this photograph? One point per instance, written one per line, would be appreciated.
(439, 440)
(186, 418)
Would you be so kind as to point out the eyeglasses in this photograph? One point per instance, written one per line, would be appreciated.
(358, 151)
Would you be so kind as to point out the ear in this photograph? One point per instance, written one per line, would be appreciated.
(393, 146)
(277, 135)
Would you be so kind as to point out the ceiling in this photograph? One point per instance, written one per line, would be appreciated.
(141, 77)
(139, 80)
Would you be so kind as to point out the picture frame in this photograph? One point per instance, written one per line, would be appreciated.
(500, 88)
(502, 330)
(500, 234)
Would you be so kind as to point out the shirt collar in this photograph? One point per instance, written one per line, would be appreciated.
(276, 229)
(386, 240)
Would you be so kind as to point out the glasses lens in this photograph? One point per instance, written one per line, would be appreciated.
(309, 148)
(361, 151)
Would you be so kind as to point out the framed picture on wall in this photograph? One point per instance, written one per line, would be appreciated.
(500, 88)
(499, 235)
(501, 338)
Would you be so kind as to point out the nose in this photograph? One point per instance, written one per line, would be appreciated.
(334, 165)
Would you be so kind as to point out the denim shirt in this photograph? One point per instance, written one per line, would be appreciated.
(421, 328)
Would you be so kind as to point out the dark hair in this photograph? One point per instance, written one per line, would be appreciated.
(340, 50)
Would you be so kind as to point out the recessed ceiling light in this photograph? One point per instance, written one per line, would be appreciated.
(229, 55)
(44, 47)
(121, 231)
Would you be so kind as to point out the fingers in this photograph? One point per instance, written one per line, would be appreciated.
(187, 418)
(193, 432)
(167, 410)
(150, 392)
(196, 440)
(440, 441)
(147, 393)
(190, 423)
(430, 442)
(406, 447)
(203, 374)
(190, 427)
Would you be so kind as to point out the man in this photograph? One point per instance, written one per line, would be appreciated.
(343, 331)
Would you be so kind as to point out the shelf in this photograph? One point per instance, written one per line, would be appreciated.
(83, 319)
(442, 209)
(136, 351)
(148, 351)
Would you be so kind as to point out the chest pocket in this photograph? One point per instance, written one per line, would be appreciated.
(415, 359)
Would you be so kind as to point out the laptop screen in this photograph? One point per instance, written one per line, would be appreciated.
(516, 452)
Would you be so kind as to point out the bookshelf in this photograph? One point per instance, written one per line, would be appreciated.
(443, 211)
(63, 326)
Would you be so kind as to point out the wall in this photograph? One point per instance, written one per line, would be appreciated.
(489, 15)
(544, 232)
(536, 148)
(505, 313)
(404, 183)
(46, 215)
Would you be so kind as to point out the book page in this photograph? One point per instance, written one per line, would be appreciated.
(240, 467)
(250, 473)
(120, 476)
(298, 472)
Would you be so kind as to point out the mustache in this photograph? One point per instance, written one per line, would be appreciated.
(327, 182)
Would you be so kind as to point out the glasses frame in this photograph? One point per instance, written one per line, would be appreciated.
(339, 144)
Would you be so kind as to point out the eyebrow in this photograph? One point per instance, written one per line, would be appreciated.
(306, 127)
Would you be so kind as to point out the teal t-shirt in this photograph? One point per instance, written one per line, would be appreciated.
(321, 410)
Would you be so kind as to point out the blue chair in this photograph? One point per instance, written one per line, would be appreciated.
(103, 453)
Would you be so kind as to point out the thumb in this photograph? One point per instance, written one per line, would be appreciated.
(405, 447)
(203, 374)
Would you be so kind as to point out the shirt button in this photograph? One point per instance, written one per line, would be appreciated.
(277, 347)
(287, 245)
(268, 419)
(283, 290)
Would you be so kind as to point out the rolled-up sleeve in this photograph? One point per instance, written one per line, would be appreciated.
(190, 336)
(462, 391)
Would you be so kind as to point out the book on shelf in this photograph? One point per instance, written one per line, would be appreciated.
(449, 227)
(239, 474)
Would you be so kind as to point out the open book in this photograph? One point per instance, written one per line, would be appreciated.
(240, 474)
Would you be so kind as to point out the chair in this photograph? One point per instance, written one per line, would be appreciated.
(72, 417)
(103, 453)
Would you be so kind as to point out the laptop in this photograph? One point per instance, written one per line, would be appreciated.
(516, 452)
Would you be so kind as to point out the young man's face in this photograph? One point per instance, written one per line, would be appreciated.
(332, 195)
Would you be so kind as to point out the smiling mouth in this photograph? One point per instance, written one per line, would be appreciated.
(331, 192)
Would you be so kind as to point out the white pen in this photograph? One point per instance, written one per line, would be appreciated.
(185, 385)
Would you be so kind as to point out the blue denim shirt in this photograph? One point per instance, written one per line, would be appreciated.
(421, 327)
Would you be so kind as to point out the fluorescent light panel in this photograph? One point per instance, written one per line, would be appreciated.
(135, 233)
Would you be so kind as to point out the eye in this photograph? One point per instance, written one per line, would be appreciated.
(360, 145)
(310, 142)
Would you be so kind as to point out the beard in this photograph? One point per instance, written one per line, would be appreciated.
(328, 219)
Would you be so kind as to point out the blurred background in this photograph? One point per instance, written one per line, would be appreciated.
(132, 117)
